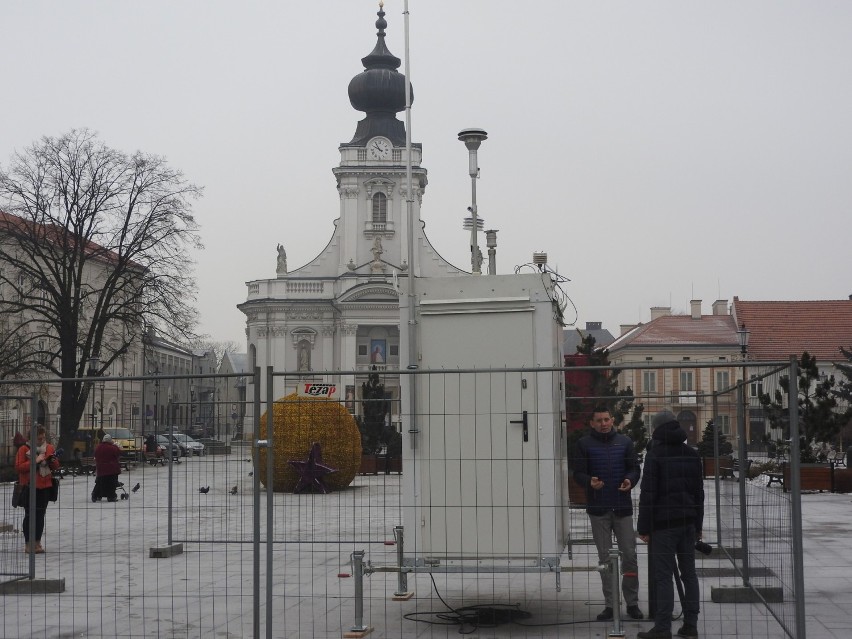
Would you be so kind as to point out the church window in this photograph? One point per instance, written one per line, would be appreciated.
(380, 209)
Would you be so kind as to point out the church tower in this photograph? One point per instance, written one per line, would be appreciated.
(340, 311)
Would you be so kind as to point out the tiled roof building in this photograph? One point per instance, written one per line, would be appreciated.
(779, 329)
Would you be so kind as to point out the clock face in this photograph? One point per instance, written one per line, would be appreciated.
(379, 149)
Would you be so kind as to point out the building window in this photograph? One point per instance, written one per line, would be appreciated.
(380, 209)
(362, 350)
(649, 381)
(724, 423)
(723, 380)
(394, 350)
(686, 381)
(756, 386)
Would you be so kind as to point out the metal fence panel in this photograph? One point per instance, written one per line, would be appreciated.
(477, 530)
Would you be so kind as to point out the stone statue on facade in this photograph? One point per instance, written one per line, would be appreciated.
(281, 266)
(304, 357)
(377, 249)
(377, 267)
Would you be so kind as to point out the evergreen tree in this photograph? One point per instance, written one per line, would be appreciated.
(635, 429)
(819, 420)
(375, 409)
(706, 447)
(600, 387)
(843, 392)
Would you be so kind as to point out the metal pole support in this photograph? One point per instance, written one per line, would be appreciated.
(358, 573)
(615, 574)
(402, 577)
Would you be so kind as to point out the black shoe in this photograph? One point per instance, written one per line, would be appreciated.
(606, 614)
(635, 613)
(687, 630)
(655, 633)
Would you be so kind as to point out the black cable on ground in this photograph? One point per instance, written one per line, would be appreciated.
(470, 618)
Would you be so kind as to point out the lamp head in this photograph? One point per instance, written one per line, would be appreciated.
(742, 337)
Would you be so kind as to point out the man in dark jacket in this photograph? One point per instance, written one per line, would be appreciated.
(671, 514)
(607, 467)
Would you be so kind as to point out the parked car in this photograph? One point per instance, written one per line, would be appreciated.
(163, 443)
(188, 445)
(86, 439)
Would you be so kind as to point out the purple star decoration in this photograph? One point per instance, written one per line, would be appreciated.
(311, 471)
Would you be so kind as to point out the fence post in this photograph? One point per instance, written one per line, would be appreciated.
(741, 453)
(270, 503)
(256, 509)
(614, 575)
(796, 500)
(358, 573)
(402, 577)
(716, 479)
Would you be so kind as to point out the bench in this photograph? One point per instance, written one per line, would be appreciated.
(837, 457)
(775, 478)
(748, 464)
(735, 469)
(87, 465)
(154, 459)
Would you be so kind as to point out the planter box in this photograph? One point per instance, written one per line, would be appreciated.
(576, 493)
(369, 465)
(390, 464)
(813, 477)
(843, 480)
(725, 467)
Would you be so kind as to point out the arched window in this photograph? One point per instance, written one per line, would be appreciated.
(380, 209)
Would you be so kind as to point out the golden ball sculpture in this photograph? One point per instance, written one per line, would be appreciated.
(298, 423)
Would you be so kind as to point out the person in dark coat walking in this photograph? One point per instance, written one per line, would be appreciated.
(107, 469)
(671, 514)
(607, 467)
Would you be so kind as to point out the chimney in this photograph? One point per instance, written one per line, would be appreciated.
(695, 308)
(720, 307)
(626, 328)
(660, 311)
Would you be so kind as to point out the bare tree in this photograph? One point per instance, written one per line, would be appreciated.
(93, 245)
(219, 348)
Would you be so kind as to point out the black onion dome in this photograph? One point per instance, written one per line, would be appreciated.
(379, 91)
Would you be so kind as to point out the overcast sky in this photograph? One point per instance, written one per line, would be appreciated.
(657, 151)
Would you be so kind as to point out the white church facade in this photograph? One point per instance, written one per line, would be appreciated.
(340, 311)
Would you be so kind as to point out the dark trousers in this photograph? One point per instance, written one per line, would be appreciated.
(667, 546)
(105, 486)
(40, 512)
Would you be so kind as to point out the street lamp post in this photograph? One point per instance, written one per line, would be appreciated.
(191, 424)
(472, 138)
(742, 338)
(92, 371)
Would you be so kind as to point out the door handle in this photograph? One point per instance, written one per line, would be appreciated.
(525, 422)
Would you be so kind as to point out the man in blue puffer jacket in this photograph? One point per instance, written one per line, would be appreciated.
(671, 513)
(606, 466)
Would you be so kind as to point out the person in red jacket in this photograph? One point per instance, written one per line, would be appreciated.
(46, 463)
(107, 469)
